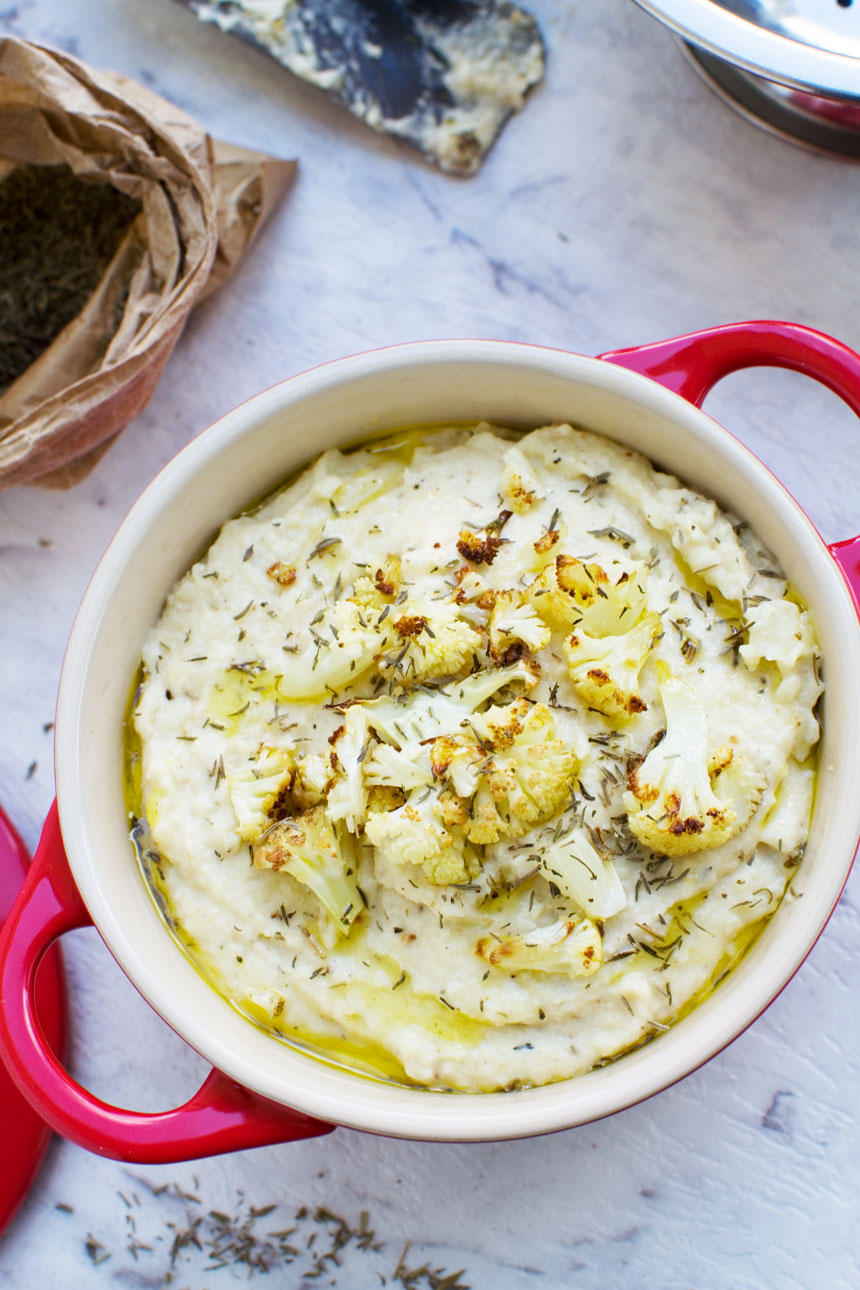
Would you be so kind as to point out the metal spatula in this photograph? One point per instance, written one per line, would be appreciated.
(443, 74)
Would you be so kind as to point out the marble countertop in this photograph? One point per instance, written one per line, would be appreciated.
(625, 204)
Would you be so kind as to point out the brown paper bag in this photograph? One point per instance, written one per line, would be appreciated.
(202, 204)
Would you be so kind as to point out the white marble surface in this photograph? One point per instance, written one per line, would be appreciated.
(624, 205)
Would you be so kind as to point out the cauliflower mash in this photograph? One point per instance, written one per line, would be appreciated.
(472, 759)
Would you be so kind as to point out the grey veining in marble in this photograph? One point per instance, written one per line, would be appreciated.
(624, 204)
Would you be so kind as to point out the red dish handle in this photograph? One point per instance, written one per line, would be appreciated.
(24, 1134)
(691, 366)
(221, 1116)
(847, 556)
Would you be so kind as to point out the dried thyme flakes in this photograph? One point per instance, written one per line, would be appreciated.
(181, 1237)
(58, 235)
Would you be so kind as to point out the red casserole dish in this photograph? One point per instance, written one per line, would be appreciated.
(260, 1091)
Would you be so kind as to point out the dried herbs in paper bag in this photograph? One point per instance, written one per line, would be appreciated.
(170, 210)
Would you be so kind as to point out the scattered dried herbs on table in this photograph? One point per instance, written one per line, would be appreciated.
(58, 234)
(181, 1238)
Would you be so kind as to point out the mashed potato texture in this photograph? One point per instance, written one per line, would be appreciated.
(475, 759)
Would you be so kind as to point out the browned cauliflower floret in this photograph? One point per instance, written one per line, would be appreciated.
(347, 796)
(571, 946)
(612, 634)
(312, 781)
(431, 640)
(526, 776)
(687, 796)
(570, 592)
(483, 547)
(605, 670)
(311, 851)
(474, 596)
(514, 626)
(520, 485)
(416, 834)
(457, 761)
(255, 788)
(545, 548)
(375, 591)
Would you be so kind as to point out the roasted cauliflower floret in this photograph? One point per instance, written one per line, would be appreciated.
(569, 592)
(427, 713)
(608, 599)
(484, 546)
(342, 647)
(415, 834)
(312, 780)
(473, 597)
(391, 767)
(472, 587)
(687, 796)
(347, 797)
(451, 866)
(501, 772)
(605, 669)
(571, 946)
(312, 852)
(457, 762)
(428, 741)
(487, 821)
(580, 873)
(432, 640)
(556, 607)
(546, 547)
(526, 775)
(499, 725)
(375, 591)
(520, 486)
(513, 625)
(255, 788)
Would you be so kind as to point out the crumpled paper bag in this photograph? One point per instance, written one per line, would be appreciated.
(202, 204)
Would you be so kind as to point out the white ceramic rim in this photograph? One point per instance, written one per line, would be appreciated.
(758, 50)
(88, 743)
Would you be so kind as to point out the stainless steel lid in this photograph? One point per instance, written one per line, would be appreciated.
(811, 45)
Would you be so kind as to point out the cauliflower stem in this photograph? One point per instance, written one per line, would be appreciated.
(571, 946)
(582, 875)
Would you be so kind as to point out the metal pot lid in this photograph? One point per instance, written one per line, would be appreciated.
(24, 1134)
(807, 44)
